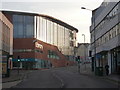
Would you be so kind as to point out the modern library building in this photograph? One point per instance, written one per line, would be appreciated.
(41, 41)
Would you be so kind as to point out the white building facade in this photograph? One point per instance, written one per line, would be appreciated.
(82, 50)
(105, 36)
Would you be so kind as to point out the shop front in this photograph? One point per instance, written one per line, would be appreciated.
(115, 58)
(31, 63)
(112, 58)
(101, 61)
(6, 64)
(26, 64)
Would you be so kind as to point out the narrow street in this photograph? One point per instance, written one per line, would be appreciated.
(39, 79)
(55, 78)
(56, 44)
(76, 80)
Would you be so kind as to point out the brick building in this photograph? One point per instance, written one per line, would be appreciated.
(41, 41)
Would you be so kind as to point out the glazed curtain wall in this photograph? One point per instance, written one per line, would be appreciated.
(23, 26)
(26, 26)
(55, 34)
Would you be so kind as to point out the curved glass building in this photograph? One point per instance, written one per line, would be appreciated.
(45, 29)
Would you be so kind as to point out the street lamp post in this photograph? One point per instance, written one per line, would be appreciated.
(84, 52)
(94, 36)
(18, 63)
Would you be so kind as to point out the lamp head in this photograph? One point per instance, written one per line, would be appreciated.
(83, 34)
(83, 8)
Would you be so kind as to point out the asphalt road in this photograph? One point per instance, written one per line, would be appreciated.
(54, 78)
(76, 80)
(39, 79)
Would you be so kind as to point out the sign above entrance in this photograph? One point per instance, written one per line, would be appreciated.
(37, 45)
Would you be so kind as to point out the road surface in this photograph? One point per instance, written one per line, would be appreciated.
(55, 78)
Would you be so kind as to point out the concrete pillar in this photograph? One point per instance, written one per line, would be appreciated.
(20, 64)
(0, 40)
(109, 62)
(0, 51)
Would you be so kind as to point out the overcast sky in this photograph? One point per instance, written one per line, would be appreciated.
(68, 11)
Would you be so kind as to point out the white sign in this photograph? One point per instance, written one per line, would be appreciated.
(38, 45)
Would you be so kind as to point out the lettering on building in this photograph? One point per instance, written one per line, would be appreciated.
(37, 45)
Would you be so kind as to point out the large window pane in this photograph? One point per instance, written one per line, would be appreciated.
(29, 30)
(52, 33)
(23, 26)
(48, 31)
(55, 34)
(44, 30)
(20, 30)
(15, 30)
(119, 28)
(29, 19)
(29, 26)
(38, 28)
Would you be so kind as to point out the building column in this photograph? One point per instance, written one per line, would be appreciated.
(118, 60)
(20, 64)
(1, 42)
(109, 62)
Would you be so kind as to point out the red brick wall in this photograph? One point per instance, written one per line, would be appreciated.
(27, 43)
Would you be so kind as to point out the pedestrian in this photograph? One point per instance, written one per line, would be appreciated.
(107, 69)
(67, 64)
(51, 65)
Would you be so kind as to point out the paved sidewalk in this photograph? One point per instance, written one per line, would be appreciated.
(86, 70)
(15, 76)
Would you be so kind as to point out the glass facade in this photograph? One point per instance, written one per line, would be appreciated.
(45, 30)
(55, 34)
(24, 26)
(31, 63)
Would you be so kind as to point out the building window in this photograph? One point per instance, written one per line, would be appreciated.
(38, 51)
(24, 26)
(110, 35)
(52, 54)
(20, 30)
(116, 28)
(16, 64)
(110, 16)
(119, 28)
(27, 50)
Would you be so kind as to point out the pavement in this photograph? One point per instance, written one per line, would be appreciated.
(16, 78)
(77, 80)
(86, 70)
